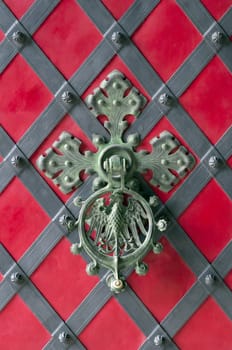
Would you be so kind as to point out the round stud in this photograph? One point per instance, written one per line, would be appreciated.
(162, 225)
(16, 161)
(165, 99)
(68, 163)
(117, 86)
(132, 102)
(214, 162)
(210, 279)
(180, 162)
(141, 269)
(67, 97)
(19, 37)
(65, 338)
(75, 249)
(164, 162)
(117, 38)
(67, 147)
(158, 340)
(52, 163)
(77, 201)
(164, 177)
(134, 139)
(67, 178)
(16, 277)
(154, 201)
(101, 102)
(165, 147)
(98, 140)
(158, 248)
(67, 221)
(217, 37)
(116, 103)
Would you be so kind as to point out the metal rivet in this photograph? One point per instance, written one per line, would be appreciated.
(16, 277)
(180, 162)
(210, 279)
(67, 97)
(16, 161)
(157, 248)
(117, 86)
(132, 102)
(164, 161)
(116, 103)
(165, 99)
(19, 37)
(117, 38)
(101, 102)
(165, 146)
(65, 338)
(67, 221)
(67, 147)
(164, 177)
(217, 37)
(158, 340)
(162, 225)
(154, 201)
(214, 162)
(68, 163)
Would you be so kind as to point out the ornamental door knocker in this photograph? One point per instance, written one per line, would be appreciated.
(116, 224)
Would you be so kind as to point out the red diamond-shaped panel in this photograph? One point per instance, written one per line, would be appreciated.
(67, 37)
(19, 8)
(166, 38)
(23, 97)
(208, 220)
(209, 328)
(167, 280)
(112, 329)
(20, 329)
(22, 218)
(208, 100)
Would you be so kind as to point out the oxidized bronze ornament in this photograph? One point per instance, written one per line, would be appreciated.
(116, 224)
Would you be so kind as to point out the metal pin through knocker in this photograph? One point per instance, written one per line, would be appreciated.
(116, 225)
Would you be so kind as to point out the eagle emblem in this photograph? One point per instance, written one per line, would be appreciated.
(119, 227)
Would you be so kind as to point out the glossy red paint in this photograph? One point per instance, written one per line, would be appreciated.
(69, 125)
(112, 329)
(167, 280)
(208, 220)
(21, 217)
(117, 8)
(22, 99)
(66, 283)
(217, 7)
(204, 329)
(20, 329)
(160, 39)
(208, 100)
(19, 7)
(65, 37)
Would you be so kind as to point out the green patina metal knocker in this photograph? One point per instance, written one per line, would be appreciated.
(116, 224)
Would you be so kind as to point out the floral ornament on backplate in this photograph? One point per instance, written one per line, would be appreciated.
(116, 224)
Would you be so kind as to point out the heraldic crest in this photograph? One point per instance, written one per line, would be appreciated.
(116, 225)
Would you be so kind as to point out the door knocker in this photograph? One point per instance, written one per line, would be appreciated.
(116, 225)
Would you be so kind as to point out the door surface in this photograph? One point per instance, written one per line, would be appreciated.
(180, 50)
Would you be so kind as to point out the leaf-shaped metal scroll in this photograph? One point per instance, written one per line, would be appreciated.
(168, 161)
(63, 162)
(116, 98)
